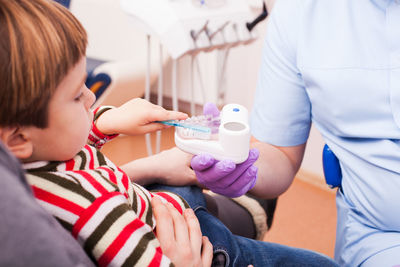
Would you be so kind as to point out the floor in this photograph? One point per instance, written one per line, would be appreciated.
(305, 215)
(305, 218)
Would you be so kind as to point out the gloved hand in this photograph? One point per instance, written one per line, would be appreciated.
(225, 177)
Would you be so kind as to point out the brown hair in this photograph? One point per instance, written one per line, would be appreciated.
(40, 41)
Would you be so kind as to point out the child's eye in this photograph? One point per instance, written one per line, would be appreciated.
(79, 97)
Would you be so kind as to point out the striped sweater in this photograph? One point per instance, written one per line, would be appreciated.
(94, 199)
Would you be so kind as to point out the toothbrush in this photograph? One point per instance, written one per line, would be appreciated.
(190, 129)
(193, 127)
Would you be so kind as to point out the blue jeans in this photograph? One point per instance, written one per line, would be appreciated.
(241, 251)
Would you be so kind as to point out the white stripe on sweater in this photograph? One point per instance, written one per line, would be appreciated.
(59, 212)
(132, 242)
(115, 229)
(62, 192)
(146, 258)
(83, 182)
(99, 216)
(101, 176)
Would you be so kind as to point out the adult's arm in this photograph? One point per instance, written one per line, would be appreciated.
(281, 116)
(277, 167)
(169, 167)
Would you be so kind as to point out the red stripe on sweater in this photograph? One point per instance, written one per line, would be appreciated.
(156, 261)
(69, 165)
(57, 201)
(98, 133)
(92, 138)
(111, 174)
(95, 110)
(98, 186)
(125, 179)
(89, 212)
(119, 242)
(170, 200)
(143, 206)
(91, 157)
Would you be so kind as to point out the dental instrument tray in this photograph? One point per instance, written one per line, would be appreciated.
(187, 27)
(226, 137)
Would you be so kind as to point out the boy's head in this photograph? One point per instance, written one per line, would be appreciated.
(40, 41)
(42, 63)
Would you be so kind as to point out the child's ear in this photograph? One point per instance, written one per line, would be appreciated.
(17, 141)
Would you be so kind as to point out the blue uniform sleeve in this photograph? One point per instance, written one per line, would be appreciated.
(281, 113)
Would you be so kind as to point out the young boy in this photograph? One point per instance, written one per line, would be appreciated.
(45, 120)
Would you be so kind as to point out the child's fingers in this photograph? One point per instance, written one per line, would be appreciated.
(195, 235)
(163, 114)
(180, 226)
(201, 255)
(206, 252)
(164, 221)
(176, 115)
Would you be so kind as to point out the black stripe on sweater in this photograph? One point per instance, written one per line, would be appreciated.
(149, 215)
(75, 187)
(101, 159)
(139, 250)
(103, 227)
(83, 157)
(65, 224)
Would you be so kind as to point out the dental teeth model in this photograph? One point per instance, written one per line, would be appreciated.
(225, 137)
(200, 127)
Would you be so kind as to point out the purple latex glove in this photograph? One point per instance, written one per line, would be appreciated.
(225, 177)
(210, 109)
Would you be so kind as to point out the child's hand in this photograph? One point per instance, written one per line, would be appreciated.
(136, 116)
(180, 236)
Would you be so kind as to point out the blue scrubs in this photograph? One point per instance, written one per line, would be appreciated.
(336, 63)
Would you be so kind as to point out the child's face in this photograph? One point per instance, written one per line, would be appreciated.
(70, 119)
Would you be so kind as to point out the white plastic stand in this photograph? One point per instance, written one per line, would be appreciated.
(232, 141)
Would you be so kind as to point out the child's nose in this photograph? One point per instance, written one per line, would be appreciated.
(90, 98)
